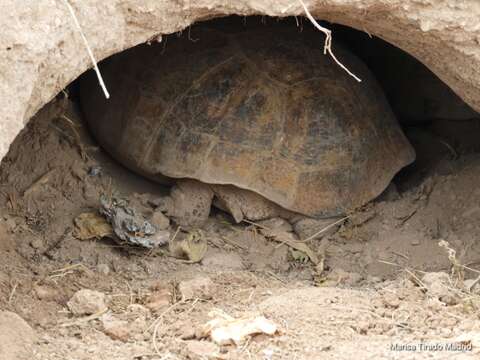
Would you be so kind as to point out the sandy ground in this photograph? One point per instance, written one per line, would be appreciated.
(386, 289)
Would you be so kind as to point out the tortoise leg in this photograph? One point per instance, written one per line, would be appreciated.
(245, 204)
(188, 204)
(227, 201)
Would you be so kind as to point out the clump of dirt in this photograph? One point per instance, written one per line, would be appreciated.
(362, 281)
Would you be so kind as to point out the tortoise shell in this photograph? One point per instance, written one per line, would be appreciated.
(262, 110)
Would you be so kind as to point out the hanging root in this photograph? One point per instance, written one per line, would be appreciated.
(89, 50)
(327, 47)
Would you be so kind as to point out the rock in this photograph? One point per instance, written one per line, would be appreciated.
(87, 302)
(339, 276)
(103, 269)
(138, 310)
(200, 287)
(159, 300)
(186, 332)
(46, 293)
(224, 260)
(449, 299)
(373, 279)
(128, 325)
(161, 237)
(306, 227)
(390, 300)
(114, 328)
(137, 329)
(415, 242)
(90, 192)
(438, 285)
(10, 224)
(36, 243)
(362, 327)
(160, 221)
(16, 337)
(202, 350)
(78, 170)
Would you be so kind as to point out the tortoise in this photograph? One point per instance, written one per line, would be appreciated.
(260, 122)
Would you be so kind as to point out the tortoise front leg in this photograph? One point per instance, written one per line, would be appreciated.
(188, 204)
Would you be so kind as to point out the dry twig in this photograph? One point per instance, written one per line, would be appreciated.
(56, 243)
(12, 292)
(86, 319)
(325, 229)
(156, 324)
(39, 182)
(77, 139)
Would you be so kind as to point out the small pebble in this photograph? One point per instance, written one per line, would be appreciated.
(202, 349)
(187, 332)
(160, 221)
(391, 300)
(159, 300)
(415, 242)
(46, 293)
(103, 269)
(198, 288)
(36, 243)
(95, 171)
(87, 302)
(114, 328)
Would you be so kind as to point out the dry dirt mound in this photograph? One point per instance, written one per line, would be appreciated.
(345, 323)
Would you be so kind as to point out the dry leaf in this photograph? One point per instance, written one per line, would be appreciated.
(193, 247)
(91, 226)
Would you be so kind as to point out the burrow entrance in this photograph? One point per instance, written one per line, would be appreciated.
(55, 175)
(440, 126)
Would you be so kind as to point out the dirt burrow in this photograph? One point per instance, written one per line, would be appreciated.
(385, 279)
